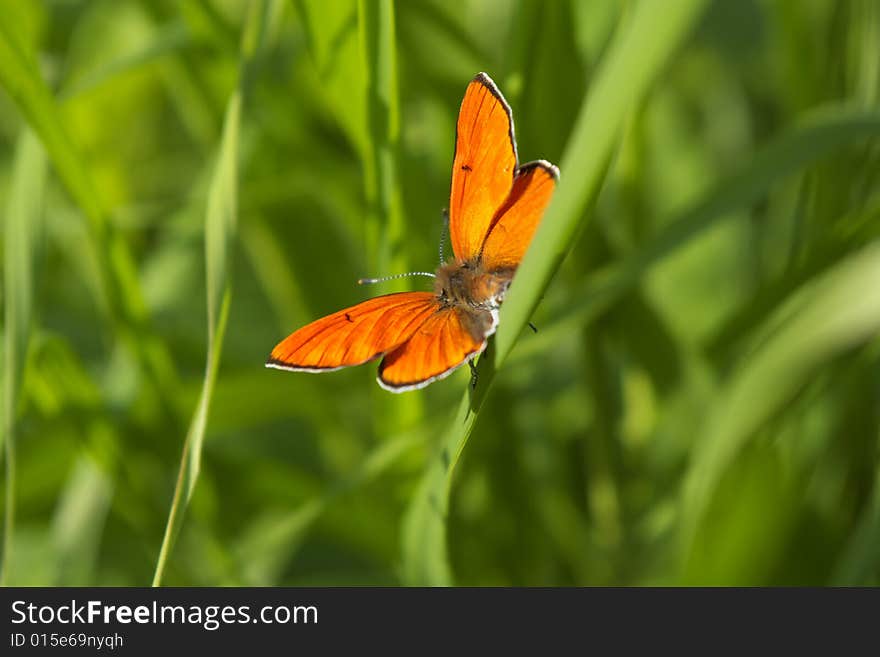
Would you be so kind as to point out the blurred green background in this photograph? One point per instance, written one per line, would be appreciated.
(700, 404)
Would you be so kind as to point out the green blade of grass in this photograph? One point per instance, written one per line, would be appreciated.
(22, 226)
(635, 57)
(384, 220)
(220, 220)
(219, 224)
(835, 312)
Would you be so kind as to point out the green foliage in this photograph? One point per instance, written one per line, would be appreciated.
(22, 232)
(699, 404)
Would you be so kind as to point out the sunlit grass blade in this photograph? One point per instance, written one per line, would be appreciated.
(168, 39)
(635, 57)
(79, 522)
(836, 312)
(21, 78)
(220, 221)
(219, 224)
(332, 35)
(22, 227)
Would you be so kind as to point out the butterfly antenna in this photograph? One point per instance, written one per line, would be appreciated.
(444, 232)
(382, 279)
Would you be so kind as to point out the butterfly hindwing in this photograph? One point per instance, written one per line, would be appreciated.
(440, 345)
(515, 222)
(483, 167)
(355, 335)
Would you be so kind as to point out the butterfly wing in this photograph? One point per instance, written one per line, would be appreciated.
(354, 335)
(440, 345)
(515, 222)
(483, 167)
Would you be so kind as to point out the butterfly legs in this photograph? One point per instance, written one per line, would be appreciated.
(473, 365)
(473, 374)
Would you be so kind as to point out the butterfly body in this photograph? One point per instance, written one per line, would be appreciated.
(468, 285)
(466, 288)
(495, 206)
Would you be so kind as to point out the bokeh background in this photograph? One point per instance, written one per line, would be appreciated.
(700, 404)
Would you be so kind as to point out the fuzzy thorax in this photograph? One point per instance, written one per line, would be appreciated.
(468, 285)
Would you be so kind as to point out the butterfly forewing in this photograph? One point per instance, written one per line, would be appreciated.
(440, 345)
(355, 335)
(483, 167)
(515, 222)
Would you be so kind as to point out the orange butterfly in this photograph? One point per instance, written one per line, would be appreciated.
(494, 208)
